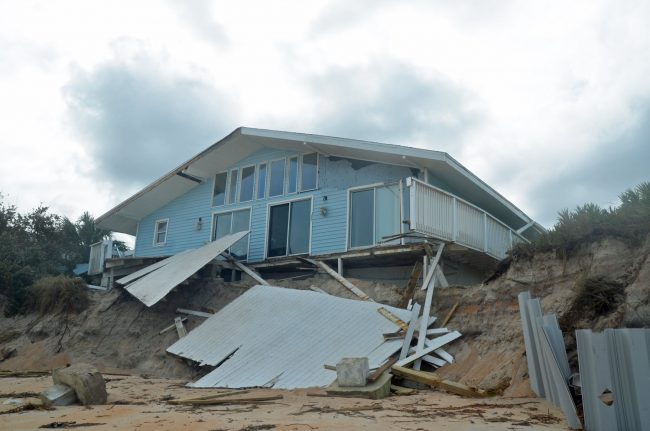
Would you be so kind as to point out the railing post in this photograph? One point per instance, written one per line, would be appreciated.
(454, 220)
(485, 233)
(510, 235)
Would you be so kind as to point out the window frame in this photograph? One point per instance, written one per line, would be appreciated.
(156, 231)
(316, 184)
(214, 186)
(348, 223)
(284, 178)
(240, 176)
(257, 180)
(287, 174)
(268, 221)
(233, 210)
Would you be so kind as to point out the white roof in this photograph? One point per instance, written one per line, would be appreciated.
(245, 141)
(282, 338)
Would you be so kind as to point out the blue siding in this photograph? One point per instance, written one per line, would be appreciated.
(329, 232)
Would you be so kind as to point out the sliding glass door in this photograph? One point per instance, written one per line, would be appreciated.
(374, 215)
(289, 228)
(232, 222)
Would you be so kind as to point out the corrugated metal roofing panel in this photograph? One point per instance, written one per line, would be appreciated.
(283, 337)
(152, 287)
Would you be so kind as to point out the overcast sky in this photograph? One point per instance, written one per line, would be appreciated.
(548, 102)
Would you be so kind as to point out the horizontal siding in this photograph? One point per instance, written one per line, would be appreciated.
(329, 232)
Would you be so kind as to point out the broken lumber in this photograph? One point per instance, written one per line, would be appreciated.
(410, 286)
(393, 318)
(170, 327)
(254, 275)
(409, 332)
(450, 314)
(209, 397)
(438, 382)
(351, 287)
(178, 322)
(217, 401)
(194, 312)
(379, 371)
(431, 346)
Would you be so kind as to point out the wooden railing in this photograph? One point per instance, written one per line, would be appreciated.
(440, 214)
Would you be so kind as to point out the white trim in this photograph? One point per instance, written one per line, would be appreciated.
(268, 220)
(266, 180)
(240, 182)
(374, 188)
(229, 201)
(301, 163)
(155, 232)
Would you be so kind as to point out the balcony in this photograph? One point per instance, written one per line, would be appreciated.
(438, 214)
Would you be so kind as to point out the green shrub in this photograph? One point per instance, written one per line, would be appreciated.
(58, 294)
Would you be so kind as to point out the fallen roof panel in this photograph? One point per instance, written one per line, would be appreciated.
(154, 286)
(282, 338)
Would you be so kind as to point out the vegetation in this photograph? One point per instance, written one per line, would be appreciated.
(629, 221)
(39, 244)
(58, 294)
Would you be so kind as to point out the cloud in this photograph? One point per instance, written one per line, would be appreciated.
(198, 15)
(614, 165)
(137, 120)
(390, 102)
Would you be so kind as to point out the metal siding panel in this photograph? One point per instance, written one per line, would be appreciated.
(288, 335)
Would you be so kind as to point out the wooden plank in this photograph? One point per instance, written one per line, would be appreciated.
(194, 312)
(170, 327)
(354, 289)
(437, 331)
(253, 274)
(410, 330)
(424, 321)
(432, 345)
(444, 355)
(147, 269)
(180, 329)
(218, 401)
(154, 286)
(410, 285)
(379, 371)
(393, 318)
(450, 314)
(442, 280)
(210, 397)
(438, 382)
(432, 268)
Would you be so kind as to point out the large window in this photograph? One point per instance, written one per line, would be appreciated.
(232, 192)
(232, 222)
(374, 215)
(219, 192)
(289, 228)
(292, 183)
(247, 184)
(309, 172)
(261, 181)
(160, 232)
(276, 183)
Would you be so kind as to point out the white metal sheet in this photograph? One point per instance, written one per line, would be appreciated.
(154, 286)
(283, 337)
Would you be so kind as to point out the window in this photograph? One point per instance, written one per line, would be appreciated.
(261, 181)
(276, 183)
(160, 232)
(232, 222)
(374, 215)
(293, 175)
(219, 192)
(289, 228)
(247, 184)
(232, 193)
(309, 172)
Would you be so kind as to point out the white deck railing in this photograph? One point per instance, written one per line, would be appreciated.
(439, 214)
(99, 252)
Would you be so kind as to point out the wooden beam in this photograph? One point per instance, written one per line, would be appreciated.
(170, 327)
(431, 346)
(450, 314)
(409, 332)
(178, 322)
(410, 285)
(379, 371)
(254, 275)
(193, 312)
(354, 289)
(438, 382)
(432, 268)
(393, 318)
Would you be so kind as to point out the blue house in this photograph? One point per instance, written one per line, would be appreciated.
(326, 197)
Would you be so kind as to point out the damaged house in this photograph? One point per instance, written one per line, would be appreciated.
(349, 203)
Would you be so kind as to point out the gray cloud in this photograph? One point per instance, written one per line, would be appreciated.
(138, 122)
(198, 16)
(612, 167)
(389, 102)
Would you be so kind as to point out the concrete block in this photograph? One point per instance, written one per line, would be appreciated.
(86, 381)
(58, 395)
(352, 372)
(376, 390)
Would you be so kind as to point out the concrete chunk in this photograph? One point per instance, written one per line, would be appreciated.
(86, 380)
(352, 372)
(58, 395)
